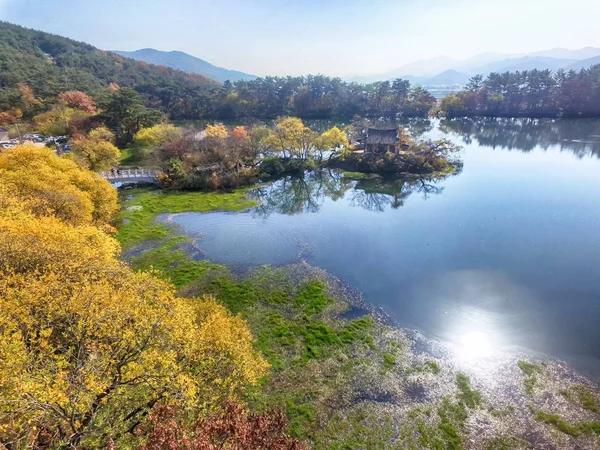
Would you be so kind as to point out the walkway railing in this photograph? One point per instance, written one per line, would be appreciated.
(129, 174)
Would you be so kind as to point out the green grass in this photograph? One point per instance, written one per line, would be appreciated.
(287, 319)
(502, 413)
(297, 330)
(590, 427)
(452, 419)
(432, 367)
(530, 370)
(301, 415)
(420, 430)
(558, 422)
(586, 399)
(128, 157)
(529, 384)
(358, 330)
(312, 298)
(359, 175)
(428, 367)
(466, 394)
(140, 224)
(564, 426)
(389, 361)
(360, 429)
(174, 263)
(508, 443)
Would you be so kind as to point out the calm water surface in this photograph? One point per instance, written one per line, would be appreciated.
(508, 249)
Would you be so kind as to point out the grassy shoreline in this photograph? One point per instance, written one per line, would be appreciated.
(166, 248)
(347, 384)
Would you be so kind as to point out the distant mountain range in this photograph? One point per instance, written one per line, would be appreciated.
(584, 63)
(448, 78)
(186, 63)
(440, 71)
(448, 71)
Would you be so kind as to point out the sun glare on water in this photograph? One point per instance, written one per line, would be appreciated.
(474, 345)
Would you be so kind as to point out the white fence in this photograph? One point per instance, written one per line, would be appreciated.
(129, 174)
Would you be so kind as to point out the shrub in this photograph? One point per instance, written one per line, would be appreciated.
(233, 428)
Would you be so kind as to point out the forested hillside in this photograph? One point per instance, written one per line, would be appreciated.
(51, 64)
(530, 93)
(35, 67)
(321, 97)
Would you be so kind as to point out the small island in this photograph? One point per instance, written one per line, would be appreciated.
(221, 157)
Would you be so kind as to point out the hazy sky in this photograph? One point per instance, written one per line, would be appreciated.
(334, 37)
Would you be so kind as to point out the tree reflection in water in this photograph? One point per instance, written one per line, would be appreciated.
(299, 194)
(306, 194)
(379, 194)
(579, 136)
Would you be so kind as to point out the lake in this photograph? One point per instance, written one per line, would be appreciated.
(507, 251)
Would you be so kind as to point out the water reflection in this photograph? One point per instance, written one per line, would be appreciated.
(306, 194)
(506, 259)
(416, 126)
(300, 194)
(475, 345)
(578, 136)
(379, 194)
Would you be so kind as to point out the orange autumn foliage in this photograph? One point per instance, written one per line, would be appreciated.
(234, 428)
(79, 100)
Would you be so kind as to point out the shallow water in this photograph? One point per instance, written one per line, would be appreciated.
(505, 255)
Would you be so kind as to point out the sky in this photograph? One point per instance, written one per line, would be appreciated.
(333, 37)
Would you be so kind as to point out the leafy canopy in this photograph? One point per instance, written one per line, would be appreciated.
(158, 135)
(83, 354)
(49, 185)
(88, 346)
(96, 151)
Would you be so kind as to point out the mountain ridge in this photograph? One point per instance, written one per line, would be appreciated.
(449, 77)
(185, 62)
(523, 63)
(484, 63)
(584, 63)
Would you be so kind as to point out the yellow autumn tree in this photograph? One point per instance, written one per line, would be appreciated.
(330, 140)
(218, 131)
(39, 244)
(96, 151)
(291, 137)
(57, 121)
(50, 185)
(83, 355)
(88, 346)
(157, 135)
